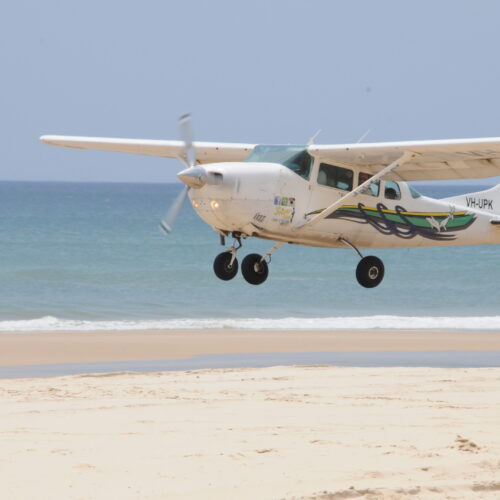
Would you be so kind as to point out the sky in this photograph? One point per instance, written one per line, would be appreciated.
(270, 71)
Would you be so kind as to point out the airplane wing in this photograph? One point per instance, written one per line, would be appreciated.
(435, 160)
(206, 152)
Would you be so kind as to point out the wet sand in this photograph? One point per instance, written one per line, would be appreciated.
(87, 347)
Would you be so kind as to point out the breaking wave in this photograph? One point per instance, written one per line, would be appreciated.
(51, 323)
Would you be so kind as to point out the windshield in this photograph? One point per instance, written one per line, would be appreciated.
(414, 192)
(296, 158)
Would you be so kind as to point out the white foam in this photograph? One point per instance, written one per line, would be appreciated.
(51, 323)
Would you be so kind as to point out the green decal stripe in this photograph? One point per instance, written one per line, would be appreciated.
(460, 221)
(420, 220)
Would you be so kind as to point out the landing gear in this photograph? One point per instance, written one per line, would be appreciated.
(226, 263)
(254, 269)
(370, 269)
(225, 266)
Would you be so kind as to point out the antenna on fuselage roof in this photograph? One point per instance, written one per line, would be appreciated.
(310, 142)
(363, 137)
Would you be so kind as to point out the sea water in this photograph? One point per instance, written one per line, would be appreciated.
(83, 256)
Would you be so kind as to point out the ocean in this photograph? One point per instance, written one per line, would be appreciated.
(86, 256)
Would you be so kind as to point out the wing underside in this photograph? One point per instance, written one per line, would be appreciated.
(434, 160)
(206, 152)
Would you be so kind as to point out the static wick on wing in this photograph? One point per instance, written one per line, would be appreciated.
(363, 137)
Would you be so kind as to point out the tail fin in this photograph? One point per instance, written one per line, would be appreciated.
(487, 201)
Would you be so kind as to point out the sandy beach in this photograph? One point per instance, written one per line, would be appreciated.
(73, 347)
(274, 433)
(294, 432)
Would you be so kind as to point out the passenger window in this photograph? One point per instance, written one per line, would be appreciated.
(336, 177)
(392, 191)
(374, 187)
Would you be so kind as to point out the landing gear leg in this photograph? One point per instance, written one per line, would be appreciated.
(226, 263)
(254, 266)
(370, 269)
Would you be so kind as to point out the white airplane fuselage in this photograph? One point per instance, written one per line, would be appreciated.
(270, 201)
(330, 195)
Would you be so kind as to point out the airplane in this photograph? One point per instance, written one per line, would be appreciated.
(353, 196)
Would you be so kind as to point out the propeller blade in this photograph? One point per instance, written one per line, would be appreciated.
(187, 136)
(193, 176)
(167, 223)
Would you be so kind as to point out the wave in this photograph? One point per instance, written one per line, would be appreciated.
(51, 323)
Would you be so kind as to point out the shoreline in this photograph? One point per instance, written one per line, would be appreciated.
(396, 359)
(20, 349)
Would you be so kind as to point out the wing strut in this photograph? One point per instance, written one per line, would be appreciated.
(404, 158)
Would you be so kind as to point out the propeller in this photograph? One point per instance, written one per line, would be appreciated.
(167, 222)
(188, 159)
(189, 153)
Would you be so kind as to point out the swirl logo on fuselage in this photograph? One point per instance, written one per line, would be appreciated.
(404, 224)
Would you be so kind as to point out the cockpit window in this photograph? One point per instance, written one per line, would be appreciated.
(373, 188)
(333, 176)
(392, 191)
(296, 158)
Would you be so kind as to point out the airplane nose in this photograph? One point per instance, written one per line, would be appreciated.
(194, 177)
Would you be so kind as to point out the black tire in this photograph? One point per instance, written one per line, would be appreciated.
(222, 269)
(254, 271)
(370, 271)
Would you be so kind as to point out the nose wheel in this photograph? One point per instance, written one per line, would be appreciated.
(226, 266)
(226, 263)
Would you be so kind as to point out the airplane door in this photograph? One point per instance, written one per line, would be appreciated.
(327, 185)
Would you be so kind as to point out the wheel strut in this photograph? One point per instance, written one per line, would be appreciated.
(349, 244)
(233, 249)
(267, 255)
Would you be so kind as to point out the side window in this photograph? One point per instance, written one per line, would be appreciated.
(337, 177)
(392, 191)
(374, 188)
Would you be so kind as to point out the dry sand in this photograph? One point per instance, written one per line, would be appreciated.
(273, 433)
(72, 347)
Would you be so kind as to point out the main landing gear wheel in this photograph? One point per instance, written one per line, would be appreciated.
(223, 268)
(254, 269)
(370, 271)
